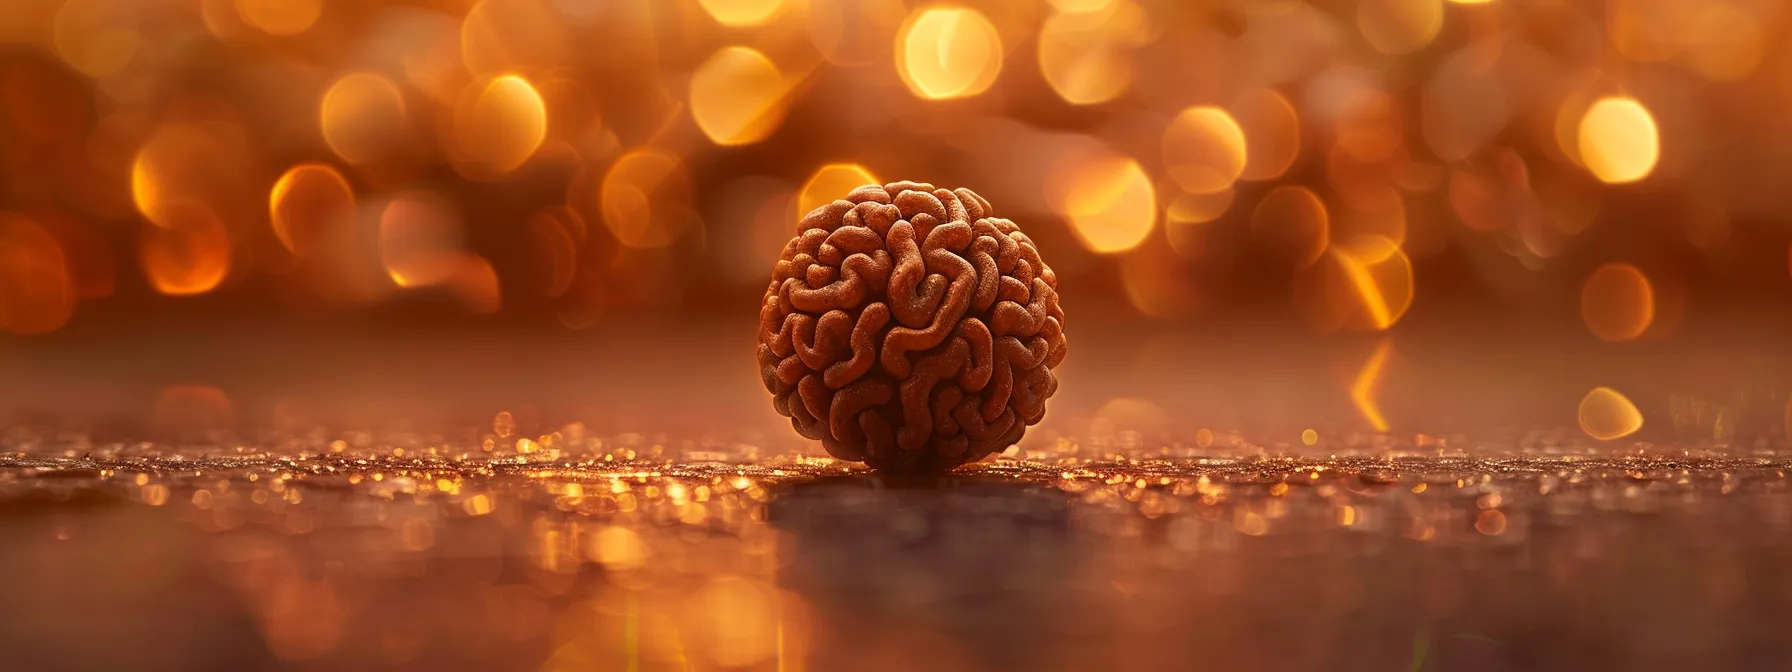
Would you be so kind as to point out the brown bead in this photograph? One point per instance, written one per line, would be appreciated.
(909, 328)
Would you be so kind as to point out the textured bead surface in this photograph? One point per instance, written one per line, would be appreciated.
(909, 328)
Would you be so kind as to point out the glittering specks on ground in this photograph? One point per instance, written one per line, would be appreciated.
(618, 555)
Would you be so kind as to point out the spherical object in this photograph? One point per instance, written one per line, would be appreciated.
(909, 328)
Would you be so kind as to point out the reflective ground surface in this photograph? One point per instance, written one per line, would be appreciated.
(576, 557)
(1201, 499)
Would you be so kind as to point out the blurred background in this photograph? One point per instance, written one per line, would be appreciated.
(1410, 216)
(418, 334)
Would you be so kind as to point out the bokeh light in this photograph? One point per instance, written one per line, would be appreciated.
(1369, 126)
(421, 240)
(646, 198)
(500, 126)
(1366, 389)
(1617, 303)
(1385, 166)
(1726, 42)
(948, 52)
(1618, 140)
(1380, 276)
(736, 96)
(192, 408)
(738, 13)
(1204, 150)
(1396, 27)
(280, 17)
(827, 184)
(475, 283)
(1110, 202)
(36, 292)
(500, 36)
(853, 32)
(1157, 283)
(1364, 283)
(308, 204)
(95, 37)
(363, 117)
(1291, 223)
(1272, 131)
(1186, 217)
(206, 162)
(1086, 56)
(188, 252)
(1606, 414)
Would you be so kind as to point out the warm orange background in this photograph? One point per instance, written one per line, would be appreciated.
(1410, 215)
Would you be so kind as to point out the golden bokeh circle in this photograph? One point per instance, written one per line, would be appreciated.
(948, 52)
(1619, 141)
(1617, 302)
(1204, 150)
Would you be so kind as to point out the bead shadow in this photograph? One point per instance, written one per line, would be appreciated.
(975, 563)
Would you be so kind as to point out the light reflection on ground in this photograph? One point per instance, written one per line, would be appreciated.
(1384, 558)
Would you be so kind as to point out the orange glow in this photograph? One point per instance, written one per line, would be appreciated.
(95, 38)
(308, 204)
(1204, 150)
(280, 17)
(1397, 27)
(1081, 5)
(362, 117)
(502, 35)
(853, 32)
(1490, 522)
(190, 253)
(1367, 387)
(1373, 202)
(1617, 302)
(421, 242)
(476, 285)
(37, 295)
(1272, 128)
(1369, 128)
(1618, 140)
(646, 198)
(1185, 219)
(1200, 208)
(204, 161)
(736, 622)
(1727, 42)
(1363, 284)
(1157, 283)
(193, 407)
(742, 12)
(1605, 414)
(1379, 275)
(1086, 57)
(501, 126)
(1293, 224)
(1110, 202)
(736, 96)
(948, 52)
(830, 183)
(1134, 413)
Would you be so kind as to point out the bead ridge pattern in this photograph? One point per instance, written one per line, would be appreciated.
(909, 328)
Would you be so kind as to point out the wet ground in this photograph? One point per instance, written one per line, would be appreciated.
(587, 553)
